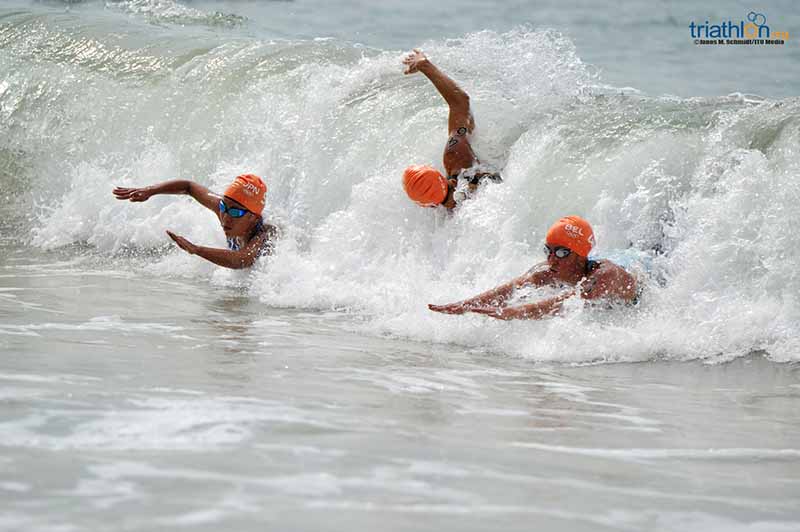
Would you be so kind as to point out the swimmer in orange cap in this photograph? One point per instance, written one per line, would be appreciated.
(239, 213)
(567, 247)
(425, 185)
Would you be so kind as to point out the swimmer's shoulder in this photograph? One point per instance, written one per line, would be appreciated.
(611, 276)
(607, 269)
(270, 230)
(602, 267)
(268, 234)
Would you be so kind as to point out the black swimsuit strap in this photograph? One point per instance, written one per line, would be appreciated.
(258, 228)
(478, 178)
(491, 176)
(592, 265)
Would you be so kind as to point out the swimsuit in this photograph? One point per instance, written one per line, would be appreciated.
(235, 243)
(477, 178)
(468, 179)
(592, 265)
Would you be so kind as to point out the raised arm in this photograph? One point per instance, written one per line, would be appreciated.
(456, 98)
(201, 194)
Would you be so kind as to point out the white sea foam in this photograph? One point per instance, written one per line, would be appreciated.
(709, 182)
(170, 11)
(666, 454)
(162, 424)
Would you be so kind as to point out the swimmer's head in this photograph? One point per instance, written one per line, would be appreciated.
(567, 247)
(425, 185)
(241, 207)
(249, 191)
(573, 233)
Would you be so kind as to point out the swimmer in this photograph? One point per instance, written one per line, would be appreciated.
(239, 213)
(424, 184)
(567, 247)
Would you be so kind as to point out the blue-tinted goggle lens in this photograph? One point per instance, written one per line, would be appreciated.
(233, 212)
(560, 252)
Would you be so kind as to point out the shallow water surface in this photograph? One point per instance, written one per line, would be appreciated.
(167, 404)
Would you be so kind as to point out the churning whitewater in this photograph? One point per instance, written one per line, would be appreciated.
(704, 189)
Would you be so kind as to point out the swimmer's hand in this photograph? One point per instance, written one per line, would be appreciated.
(184, 244)
(414, 60)
(133, 194)
(452, 308)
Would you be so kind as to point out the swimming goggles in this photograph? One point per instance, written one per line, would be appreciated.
(558, 251)
(233, 212)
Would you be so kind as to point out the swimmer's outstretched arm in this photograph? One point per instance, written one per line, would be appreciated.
(200, 193)
(456, 98)
(532, 311)
(610, 283)
(496, 296)
(243, 258)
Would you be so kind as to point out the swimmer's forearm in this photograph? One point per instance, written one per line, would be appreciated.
(449, 89)
(535, 311)
(495, 296)
(183, 186)
(179, 186)
(176, 186)
(226, 258)
(539, 310)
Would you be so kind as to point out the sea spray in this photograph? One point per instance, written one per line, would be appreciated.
(707, 187)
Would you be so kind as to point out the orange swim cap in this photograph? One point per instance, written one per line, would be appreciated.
(249, 190)
(425, 185)
(572, 232)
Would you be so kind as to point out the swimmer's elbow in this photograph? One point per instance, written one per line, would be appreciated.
(245, 262)
(235, 261)
(185, 186)
(462, 103)
(249, 258)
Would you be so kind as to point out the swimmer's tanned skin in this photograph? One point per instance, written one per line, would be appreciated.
(248, 230)
(458, 154)
(605, 280)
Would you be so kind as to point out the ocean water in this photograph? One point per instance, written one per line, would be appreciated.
(142, 388)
